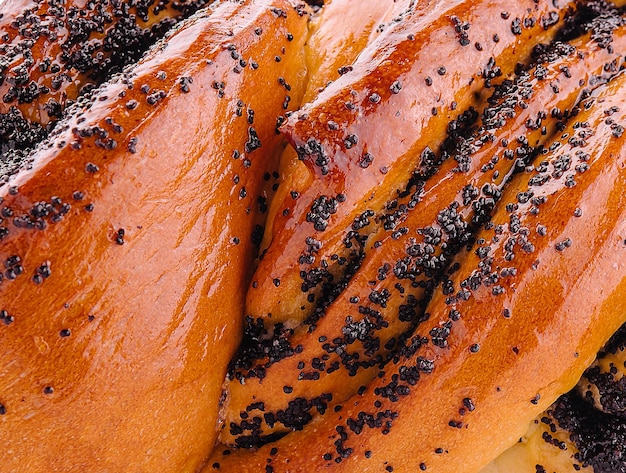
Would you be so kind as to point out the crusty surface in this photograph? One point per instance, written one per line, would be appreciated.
(54, 50)
(584, 430)
(125, 249)
(409, 80)
(332, 46)
(51, 49)
(530, 305)
(331, 358)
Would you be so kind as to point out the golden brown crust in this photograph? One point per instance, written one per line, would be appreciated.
(53, 49)
(397, 85)
(126, 249)
(359, 331)
(333, 44)
(340, 32)
(584, 429)
(530, 305)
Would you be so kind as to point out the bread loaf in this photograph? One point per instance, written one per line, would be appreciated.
(126, 249)
(331, 358)
(410, 82)
(524, 314)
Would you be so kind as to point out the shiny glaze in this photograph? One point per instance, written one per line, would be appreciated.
(328, 48)
(338, 356)
(127, 300)
(333, 44)
(518, 328)
(52, 50)
(386, 106)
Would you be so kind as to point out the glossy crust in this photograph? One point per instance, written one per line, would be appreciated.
(385, 299)
(355, 167)
(126, 248)
(531, 304)
(334, 43)
(329, 48)
(53, 49)
(332, 46)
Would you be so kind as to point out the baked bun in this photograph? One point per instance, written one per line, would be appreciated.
(544, 448)
(411, 82)
(126, 249)
(512, 327)
(332, 356)
(584, 430)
